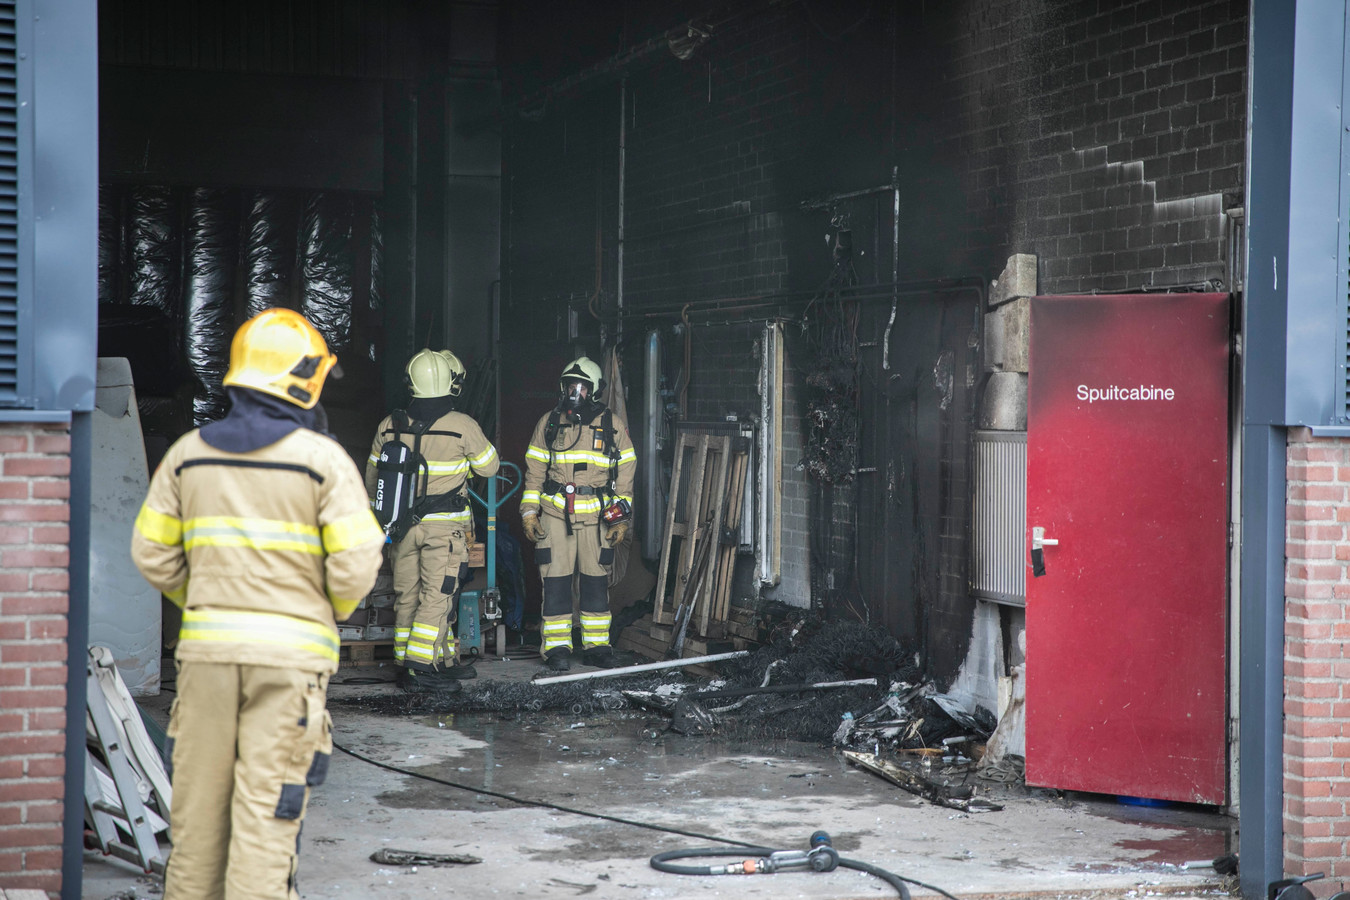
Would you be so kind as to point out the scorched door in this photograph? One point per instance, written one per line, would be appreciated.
(1127, 465)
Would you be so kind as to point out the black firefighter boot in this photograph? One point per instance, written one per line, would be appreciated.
(559, 659)
(601, 656)
(422, 682)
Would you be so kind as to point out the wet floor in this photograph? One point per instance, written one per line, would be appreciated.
(563, 805)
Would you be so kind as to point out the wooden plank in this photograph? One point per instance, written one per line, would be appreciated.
(660, 612)
(714, 499)
(726, 557)
(693, 510)
(363, 654)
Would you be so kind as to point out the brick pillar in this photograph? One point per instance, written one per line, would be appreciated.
(1317, 661)
(34, 579)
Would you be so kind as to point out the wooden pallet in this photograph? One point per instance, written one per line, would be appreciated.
(717, 611)
(698, 486)
(361, 654)
(638, 639)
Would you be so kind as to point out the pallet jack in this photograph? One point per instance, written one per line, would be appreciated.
(483, 608)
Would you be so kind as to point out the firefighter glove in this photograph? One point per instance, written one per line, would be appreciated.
(616, 533)
(534, 529)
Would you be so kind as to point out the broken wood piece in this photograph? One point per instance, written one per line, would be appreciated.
(935, 792)
(391, 857)
(705, 540)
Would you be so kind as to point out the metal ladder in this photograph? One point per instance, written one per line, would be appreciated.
(102, 815)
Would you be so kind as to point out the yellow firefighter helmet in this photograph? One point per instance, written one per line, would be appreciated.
(280, 353)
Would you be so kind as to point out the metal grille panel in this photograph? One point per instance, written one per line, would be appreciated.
(9, 205)
(998, 525)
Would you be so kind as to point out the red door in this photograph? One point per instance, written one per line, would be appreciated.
(1127, 469)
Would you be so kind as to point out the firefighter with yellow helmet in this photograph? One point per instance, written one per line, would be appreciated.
(576, 508)
(257, 526)
(431, 526)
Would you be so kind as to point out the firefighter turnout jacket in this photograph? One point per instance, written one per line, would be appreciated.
(594, 456)
(264, 550)
(452, 445)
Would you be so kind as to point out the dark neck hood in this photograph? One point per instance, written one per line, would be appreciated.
(257, 420)
(429, 409)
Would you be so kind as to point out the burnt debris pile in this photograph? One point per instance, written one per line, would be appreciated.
(840, 683)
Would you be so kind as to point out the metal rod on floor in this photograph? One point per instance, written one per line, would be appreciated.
(642, 667)
(781, 689)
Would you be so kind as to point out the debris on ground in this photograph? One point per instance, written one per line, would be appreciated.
(391, 857)
(842, 684)
(942, 793)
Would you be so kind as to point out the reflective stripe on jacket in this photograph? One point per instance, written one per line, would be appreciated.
(265, 550)
(581, 457)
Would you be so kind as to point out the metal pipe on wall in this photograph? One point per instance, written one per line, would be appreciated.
(653, 520)
(623, 150)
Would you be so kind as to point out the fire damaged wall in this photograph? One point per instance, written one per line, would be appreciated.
(1105, 139)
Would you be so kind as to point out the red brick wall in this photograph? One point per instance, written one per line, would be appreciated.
(1317, 661)
(34, 560)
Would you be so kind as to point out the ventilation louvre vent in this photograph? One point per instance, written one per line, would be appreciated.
(9, 204)
(998, 552)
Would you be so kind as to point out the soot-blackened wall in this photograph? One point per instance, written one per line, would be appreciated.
(1106, 138)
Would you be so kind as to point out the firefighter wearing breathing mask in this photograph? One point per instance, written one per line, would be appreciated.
(431, 539)
(576, 508)
(258, 527)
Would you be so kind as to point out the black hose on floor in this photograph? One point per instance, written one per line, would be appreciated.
(896, 881)
(663, 862)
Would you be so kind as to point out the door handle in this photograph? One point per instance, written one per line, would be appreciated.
(1039, 541)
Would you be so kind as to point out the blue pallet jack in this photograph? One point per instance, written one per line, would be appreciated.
(483, 608)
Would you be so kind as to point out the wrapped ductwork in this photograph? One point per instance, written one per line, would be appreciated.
(376, 255)
(152, 231)
(269, 251)
(211, 249)
(376, 297)
(326, 267)
(109, 244)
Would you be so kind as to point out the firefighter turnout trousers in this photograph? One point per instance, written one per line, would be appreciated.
(246, 745)
(430, 564)
(559, 555)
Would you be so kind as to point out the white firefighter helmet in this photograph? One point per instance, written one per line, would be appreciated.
(583, 368)
(431, 374)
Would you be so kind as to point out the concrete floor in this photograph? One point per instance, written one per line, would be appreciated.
(626, 765)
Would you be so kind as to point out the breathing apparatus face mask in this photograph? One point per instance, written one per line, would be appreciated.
(575, 396)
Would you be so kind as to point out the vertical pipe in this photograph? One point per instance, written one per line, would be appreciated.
(623, 160)
(895, 266)
(653, 518)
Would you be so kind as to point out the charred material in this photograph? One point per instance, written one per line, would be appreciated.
(830, 323)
